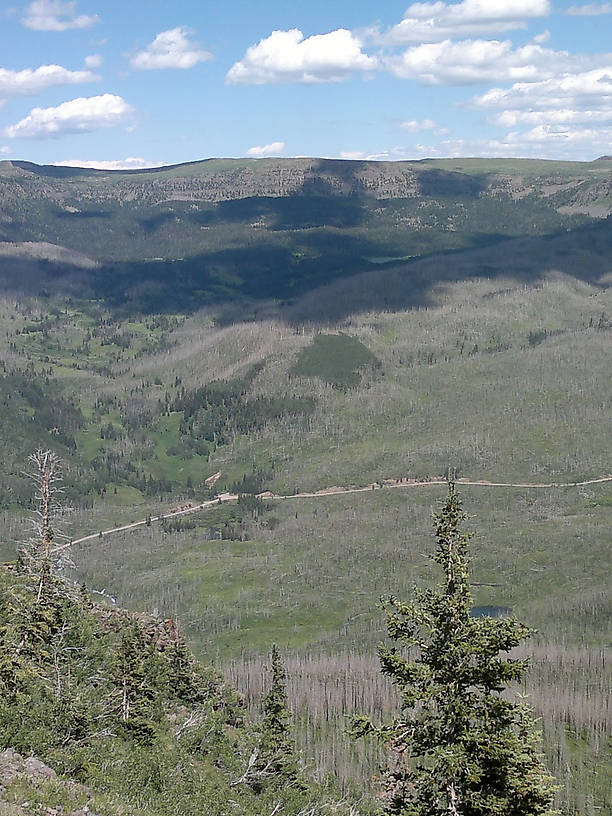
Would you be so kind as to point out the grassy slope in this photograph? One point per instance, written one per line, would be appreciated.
(505, 376)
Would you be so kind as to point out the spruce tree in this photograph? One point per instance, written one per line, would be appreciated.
(457, 747)
(182, 672)
(133, 675)
(274, 759)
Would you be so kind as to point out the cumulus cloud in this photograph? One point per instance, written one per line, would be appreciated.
(56, 15)
(5, 150)
(170, 49)
(81, 115)
(591, 9)
(577, 90)
(286, 56)
(469, 62)
(544, 134)
(551, 118)
(417, 125)
(131, 163)
(542, 38)
(580, 144)
(432, 22)
(272, 149)
(34, 80)
(559, 109)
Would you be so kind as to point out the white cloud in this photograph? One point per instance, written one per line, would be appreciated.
(33, 80)
(416, 125)
(591, 9)
(584, 145)
(81, 115)
(272, 149)
(131, 163)
(432, 22)
(542, 38)
(56, 15)
(550, 118)
(390, 154)
(363, 155)
(170, 49)
(558, 109)
(285, 56)
(473, 61)
(5, 150)
(578, 90)
(544, 134)
(94, 61)
(353, 155)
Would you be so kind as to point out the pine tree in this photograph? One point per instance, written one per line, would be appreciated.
(133, 676)
(274, 759)
(182, 672)
(458, 747)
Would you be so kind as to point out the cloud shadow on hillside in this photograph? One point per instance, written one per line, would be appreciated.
(330, 278)
(583, 254)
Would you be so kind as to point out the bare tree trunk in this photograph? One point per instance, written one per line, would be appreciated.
(452, 799)
(46, 477)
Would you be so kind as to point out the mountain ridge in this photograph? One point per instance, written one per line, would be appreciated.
(222, 229)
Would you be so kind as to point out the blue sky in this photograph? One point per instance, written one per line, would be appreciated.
(131, 84)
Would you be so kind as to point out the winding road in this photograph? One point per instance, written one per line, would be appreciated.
(329, 491)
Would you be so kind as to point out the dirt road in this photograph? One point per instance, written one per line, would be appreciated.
(328, 491)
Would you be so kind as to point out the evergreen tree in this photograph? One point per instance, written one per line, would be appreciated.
(458, 747)
(274, 758)
(135, 677)
(182, 671)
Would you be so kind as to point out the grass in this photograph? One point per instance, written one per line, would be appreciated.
(315, 574)
(502, 378)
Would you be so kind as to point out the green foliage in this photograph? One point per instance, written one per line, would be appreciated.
(135, 675)
(284, 229)
(335, 358)
(275, 761)
(35, 411)
(45, 692)
(119, 704)
(214, 413)
(531, 400)
(457, 746)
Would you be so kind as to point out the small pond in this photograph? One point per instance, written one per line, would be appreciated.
(490, 611)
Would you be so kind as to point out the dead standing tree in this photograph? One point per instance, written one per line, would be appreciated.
(38, 553)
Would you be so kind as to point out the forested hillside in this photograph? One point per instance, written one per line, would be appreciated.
(295, 326)
(182, 237)
(108, 712)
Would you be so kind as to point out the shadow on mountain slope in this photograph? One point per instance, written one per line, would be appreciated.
(329, 276)
(585, 254)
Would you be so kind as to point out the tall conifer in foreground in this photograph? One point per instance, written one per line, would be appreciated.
(457, 747)
(274, 759)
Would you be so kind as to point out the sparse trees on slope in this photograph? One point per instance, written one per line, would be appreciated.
(458, 747)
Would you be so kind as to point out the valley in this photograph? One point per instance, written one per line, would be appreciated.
(330, 338)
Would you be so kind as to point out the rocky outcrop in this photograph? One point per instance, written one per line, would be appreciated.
(13, 767)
